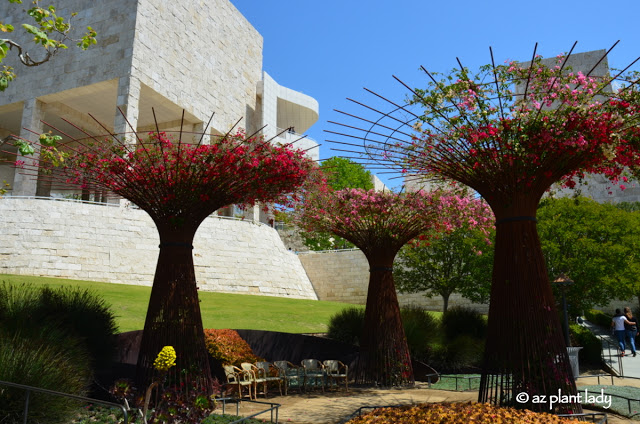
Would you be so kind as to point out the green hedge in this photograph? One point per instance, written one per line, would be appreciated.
(591, 345)
(598, 317)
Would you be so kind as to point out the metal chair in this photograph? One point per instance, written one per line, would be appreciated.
(335, 371)
(313, 371)
(240, 378)
(257, 376)
(272, 373)
(290, 373)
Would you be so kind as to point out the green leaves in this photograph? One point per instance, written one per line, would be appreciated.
(594, 244)
(50, 32)
(25, 148)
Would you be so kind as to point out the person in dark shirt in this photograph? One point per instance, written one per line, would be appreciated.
(631, 329)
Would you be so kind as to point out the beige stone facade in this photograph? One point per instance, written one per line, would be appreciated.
(343, 276)
(196, 56)
(120, 245)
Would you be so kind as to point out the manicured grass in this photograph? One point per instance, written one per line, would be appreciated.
(219, 310)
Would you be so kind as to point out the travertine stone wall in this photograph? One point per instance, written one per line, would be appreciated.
(120, 245)
(343, 276)
(203, 56)
(115, 22)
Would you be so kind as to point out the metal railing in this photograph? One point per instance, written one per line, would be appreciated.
(610, 362)
(30, 389)
(327, 251)
(273, 407)
(117, 205)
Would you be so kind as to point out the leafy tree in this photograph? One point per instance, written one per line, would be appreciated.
(456, 262)
(345, 173)
(50, 32)
(340, 173)
(595, 244)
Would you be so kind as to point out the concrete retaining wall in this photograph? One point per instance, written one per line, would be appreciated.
(120, 245)
(343, 276)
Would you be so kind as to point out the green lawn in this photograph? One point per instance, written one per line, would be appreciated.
(219, 310)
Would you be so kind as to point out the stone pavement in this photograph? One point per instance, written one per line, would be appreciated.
(626, 366)
(333, 407)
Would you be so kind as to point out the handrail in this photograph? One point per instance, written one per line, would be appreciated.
(115, 205)
(328, 251)
(30, 389)
(620, 368)
(272, 406)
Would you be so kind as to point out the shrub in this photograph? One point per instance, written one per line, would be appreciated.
(598, 317)
(347, 325)
(228, 347)
(48, 360)
(457, 355)
(85, 315)
(74, 312)
(421, 329)
(460, 320)
(591, 345)
(480, 413)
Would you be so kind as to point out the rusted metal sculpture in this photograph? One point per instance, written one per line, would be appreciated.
(179, 185)
(509, 133)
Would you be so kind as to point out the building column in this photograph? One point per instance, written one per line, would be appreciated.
(128, 101)
(32, 115)
(198, 129)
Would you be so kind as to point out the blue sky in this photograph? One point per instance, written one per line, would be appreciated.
(331, 49)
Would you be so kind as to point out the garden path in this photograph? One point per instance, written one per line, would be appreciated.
(626, 366)
(334, 406)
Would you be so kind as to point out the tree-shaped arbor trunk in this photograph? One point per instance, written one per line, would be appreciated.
(510, 132)
(380, 223)
(179, 185)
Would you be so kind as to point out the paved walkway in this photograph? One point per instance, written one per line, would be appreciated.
(626, 366)
(335, 406)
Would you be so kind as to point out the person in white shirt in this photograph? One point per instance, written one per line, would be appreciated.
(617, 323)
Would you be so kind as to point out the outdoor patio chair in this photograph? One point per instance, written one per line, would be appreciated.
(239, 378)
(313, 371)
(257, 375)
(291, 374)
(335, 371)
(272, 373)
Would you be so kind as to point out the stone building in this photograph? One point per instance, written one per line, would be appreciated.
(196, 56)
(193, 56)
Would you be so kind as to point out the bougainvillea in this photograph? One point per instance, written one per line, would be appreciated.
(380, 223)
(179, 185)
(510, 132)
(458, 413)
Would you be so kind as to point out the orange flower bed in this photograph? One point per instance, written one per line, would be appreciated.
(458, 413)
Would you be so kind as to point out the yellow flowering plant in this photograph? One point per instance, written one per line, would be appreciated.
(165, 359)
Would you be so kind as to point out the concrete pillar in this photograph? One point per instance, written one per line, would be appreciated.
(256, 213)
(128, 101)
(32, 114)
(198, 129)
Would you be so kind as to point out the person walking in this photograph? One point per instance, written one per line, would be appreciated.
(617, 323)
(631, 330)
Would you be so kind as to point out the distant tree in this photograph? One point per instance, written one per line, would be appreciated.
(595, 244)
(50, 32)
(345, 173)
(457, 262)
(340, 173)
